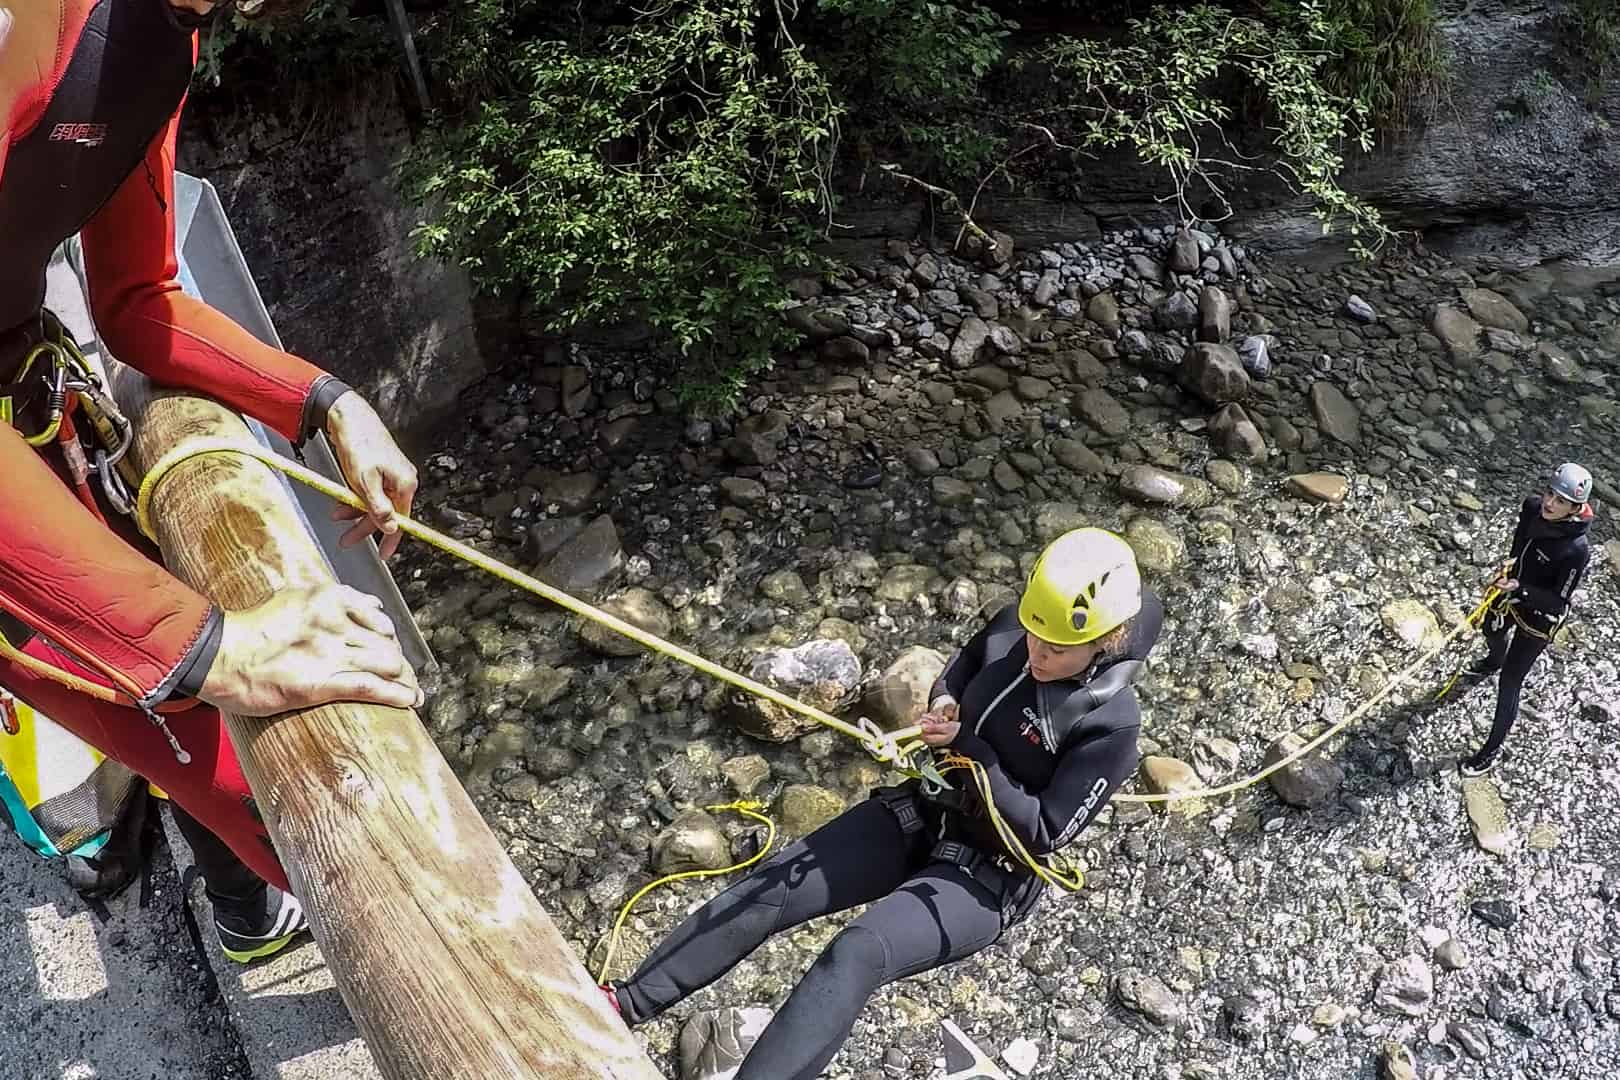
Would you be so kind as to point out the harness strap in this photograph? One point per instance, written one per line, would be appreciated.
(903, 803)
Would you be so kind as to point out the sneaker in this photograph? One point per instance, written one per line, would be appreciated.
(1477, 766)
(713, 1044)
(249, 936)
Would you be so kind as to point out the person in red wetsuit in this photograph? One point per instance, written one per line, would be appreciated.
(90, 96)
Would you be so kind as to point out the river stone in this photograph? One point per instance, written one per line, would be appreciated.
(900, 694)
(784, 587)
(1184, 255)
(585, 562)
(637, 606)
(1158, 549)
(1405, 987)
(806, 808)
(715, 1041)
(746, 773)
(1309, 782)
(1171, 776)
(1456, 331)
(1214, 315)
(1255, 352)
(743, 491)
(844, 350)
(1104, 311)
(1395, 1063)
(904, 583)
(1322, 487)
(693, 841)
(1214, 373)
(949, 491)
(1149, 484)
(1451, 955)
(1488, 816)
(1413, 624)
(1335, 414)
(1102, 411)
(570, 492)
(1175, 312)
(1148, 997)
(759, 439)
(1494, 309)
(970, 338)
(1236, 436)
(1053, 519)
(1359, 310)
(822, 673)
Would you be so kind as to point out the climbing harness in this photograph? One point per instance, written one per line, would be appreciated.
(748, 808)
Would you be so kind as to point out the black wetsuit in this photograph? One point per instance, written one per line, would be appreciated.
(1549, 559)
(938, 882)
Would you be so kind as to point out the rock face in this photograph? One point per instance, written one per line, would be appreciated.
(337, 269)
(820, 673)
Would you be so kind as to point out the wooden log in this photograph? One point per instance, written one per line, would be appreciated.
(448, 963)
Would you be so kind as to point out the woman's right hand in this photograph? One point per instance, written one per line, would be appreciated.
(309, 646)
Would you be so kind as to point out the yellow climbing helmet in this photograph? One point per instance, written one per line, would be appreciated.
(1084, 584)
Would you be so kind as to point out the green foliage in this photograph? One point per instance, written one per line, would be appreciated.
(1159, 94)
(1385, 54)
(1594, 28)
(320, 53)
(658, 170)
(914, 72)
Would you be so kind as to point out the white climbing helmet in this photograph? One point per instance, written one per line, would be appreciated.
(1573, 483)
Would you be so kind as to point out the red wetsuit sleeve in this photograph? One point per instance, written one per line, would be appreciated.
(147, 322)
(71, 578)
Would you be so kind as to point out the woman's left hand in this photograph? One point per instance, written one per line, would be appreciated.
(376, 469)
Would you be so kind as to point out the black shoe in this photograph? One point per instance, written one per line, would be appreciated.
(1478, 765)
(261, 928)
(1483, 667)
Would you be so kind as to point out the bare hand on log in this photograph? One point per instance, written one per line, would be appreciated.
(306, 647)
(375, 468)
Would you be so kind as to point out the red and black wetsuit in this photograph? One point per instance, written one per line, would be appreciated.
(90, 95)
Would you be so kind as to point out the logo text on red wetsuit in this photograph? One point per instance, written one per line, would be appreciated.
(83, 134)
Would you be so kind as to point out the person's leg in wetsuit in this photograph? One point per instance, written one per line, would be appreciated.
(941, 915)
(854, 859)
(1514, 651)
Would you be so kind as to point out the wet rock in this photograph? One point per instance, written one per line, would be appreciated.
(1029, 388)
(551, 763)
(1488, 816)
(1405, 987)
(815, 323)
(1102, 411)
(1500, 914)
(1493, 309)
(714, 1042)
(743, 491)
(1184, 255)
(845, 350)
(1104, 311)
(1077, 457)
(1255, 352)
(1225, 475)
(806, 808)
(693, 841)
(1144, 267)
(1395, 1063)
(904, 583)
(1158, 549)
(821, 673)
(1148, 997)
(900, 694)
(784, 587)
(1359, 310)
(1309, 782)
(1451, 955)
(585, 563)
(1456, 331)
(1148, 484)
(1135, 343)
(1236, 436)
(569, 492)
(759, 439)
(1214, 373)
(1470, 1038)
(1054, 519)
(971, 336)
(637, 606)
(1170, 776)
(1335, 414)
(1246, 1015)
(1214, 315)
(961, 598)
(1321, 487)
(1004, 341)
(746, 774)
(1411, 623)
(1175, 312)
(949, 491)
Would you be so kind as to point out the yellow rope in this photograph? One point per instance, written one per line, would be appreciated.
(749, 808)
(1365, 707)
(883, 745)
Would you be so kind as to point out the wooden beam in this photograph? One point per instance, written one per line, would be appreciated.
(448, 963)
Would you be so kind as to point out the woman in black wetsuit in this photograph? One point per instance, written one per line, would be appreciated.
(1041, 698)
(1548, 556)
